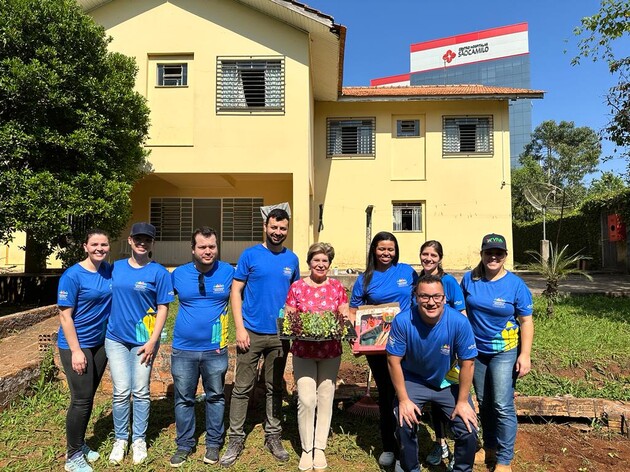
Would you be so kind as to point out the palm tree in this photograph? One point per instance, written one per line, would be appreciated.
(557, 267)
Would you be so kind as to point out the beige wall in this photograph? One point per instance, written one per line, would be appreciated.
(464, 196)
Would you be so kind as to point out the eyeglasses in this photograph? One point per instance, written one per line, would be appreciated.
(436, 297)
(202, 284)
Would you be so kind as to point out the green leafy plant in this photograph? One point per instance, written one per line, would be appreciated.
(557, 267)
(324, 325)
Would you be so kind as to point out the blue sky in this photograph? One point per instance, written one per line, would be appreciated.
(381, 31)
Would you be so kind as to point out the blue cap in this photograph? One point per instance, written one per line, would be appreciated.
(143, 228)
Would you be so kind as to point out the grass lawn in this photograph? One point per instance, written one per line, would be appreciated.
(584, 351)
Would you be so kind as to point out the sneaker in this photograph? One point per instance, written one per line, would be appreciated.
(386, 459)
(118, 451)
(179, 457)
(306, 461)
(274, 445)
(90, 455)
(139, 448)
(212, 455)
(234, 449)
(77, 464)
(319, 460)
(398, 468)
(437, 453)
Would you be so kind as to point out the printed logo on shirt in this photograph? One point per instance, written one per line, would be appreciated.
(472, 346)
(172, 293)
(498, 303)
(287, 272)
(391, 341)
(140, 286)
(218, 288)
(402, 282)
(63, 295)
(445, 350)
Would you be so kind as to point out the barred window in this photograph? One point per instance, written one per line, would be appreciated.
(467, 135)
(351, 137)
(250, 84)
(172, 218)
(407, 216)
(172, 75)
(242, 220)
(407, 128)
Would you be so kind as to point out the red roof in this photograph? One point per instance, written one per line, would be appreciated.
(440, 91)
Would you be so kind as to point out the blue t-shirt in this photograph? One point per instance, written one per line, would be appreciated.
(136, 294)
(201, 323)
(267, 276)
(493, 308)
(90, 296)
(429, 352)
(393, 285)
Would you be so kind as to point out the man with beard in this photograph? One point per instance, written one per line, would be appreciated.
(200, 344)
(263, 276)
(424, 344)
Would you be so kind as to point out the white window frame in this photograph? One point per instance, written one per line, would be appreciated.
(407, 217)
(167, 76)
(250, 84)
(467, 135)
(351, 137)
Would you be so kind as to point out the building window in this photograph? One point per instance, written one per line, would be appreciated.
(351, 137)
(408, 216)
(467, 135)
(172, 75)
(175, 218)
(407, 128)
(250, 84)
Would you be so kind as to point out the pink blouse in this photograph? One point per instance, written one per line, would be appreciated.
(305, 299)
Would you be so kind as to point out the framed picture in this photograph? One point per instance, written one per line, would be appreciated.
(372, 327)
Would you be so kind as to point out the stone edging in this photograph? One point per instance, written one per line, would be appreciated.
(10, 324)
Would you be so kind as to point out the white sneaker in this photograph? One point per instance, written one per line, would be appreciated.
(118, 451)
(139, 448)
(386, 459)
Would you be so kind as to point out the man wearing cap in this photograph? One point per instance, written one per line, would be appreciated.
(424, 343)
(200, 344)
(263, 276)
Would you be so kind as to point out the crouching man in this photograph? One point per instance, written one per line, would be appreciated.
(423, 345)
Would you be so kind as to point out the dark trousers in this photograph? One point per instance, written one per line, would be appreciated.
(82, 390)
(465, 442)
(386, 395)
(275, 354)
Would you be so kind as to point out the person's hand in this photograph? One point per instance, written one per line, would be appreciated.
(242, 339)
(409, 412)
(467, 414)
(147, 352)
(79, 362)
(523, 365)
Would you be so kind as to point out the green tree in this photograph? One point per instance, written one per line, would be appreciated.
(528, 174)
(602, 36)
(608, 184)
(72, 128)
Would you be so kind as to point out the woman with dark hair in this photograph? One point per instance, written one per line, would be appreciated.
(385, 280)
(315, 364)
(499, 307)
(84, 299)
(431, 255)
(142, 290)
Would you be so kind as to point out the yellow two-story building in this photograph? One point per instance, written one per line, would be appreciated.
(248, 109)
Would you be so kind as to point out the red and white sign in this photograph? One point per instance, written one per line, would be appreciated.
(495, 43)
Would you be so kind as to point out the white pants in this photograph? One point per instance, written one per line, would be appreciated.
(316, 392)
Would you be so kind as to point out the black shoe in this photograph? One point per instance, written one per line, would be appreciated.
(234, 449)
(179, 457)
(274, 445)
(212, 455)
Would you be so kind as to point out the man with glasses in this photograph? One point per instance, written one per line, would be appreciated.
(424, 343)
(200, 344)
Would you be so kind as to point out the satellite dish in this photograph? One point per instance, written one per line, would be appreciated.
(547, 198)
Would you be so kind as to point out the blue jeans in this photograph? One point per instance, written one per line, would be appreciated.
(130, 379)
(186, 367)
(465, 442)
(494, 381)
